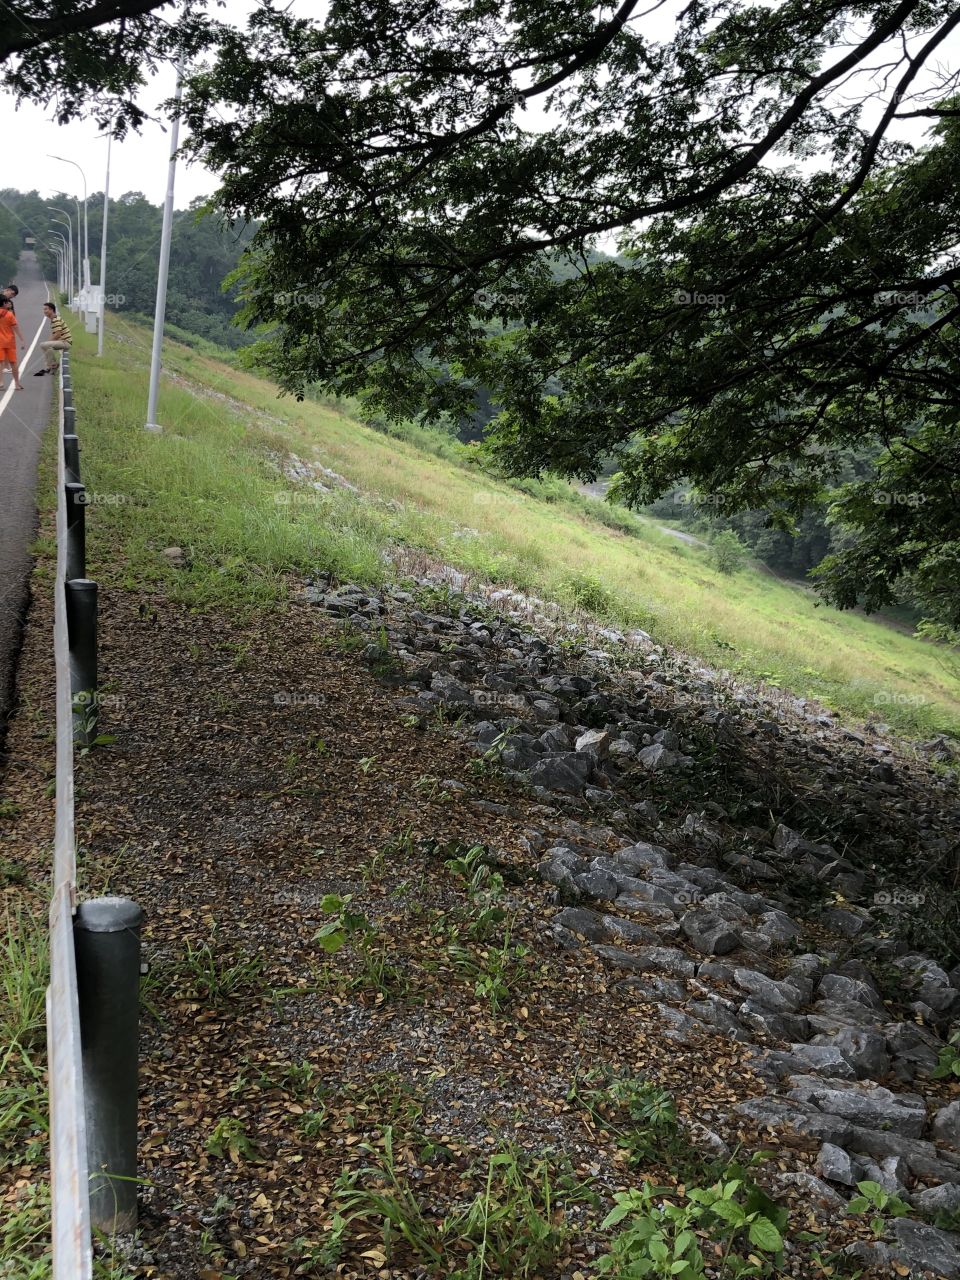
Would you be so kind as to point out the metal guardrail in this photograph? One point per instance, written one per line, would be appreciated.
(93, 997)
(69, 1175)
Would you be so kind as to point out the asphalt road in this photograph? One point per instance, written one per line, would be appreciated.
(23, 417)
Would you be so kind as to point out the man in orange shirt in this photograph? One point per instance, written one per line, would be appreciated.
(9, 336)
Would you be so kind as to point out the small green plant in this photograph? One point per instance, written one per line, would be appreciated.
(430, 787)
(88, 715)
(374, 866)
(586, 592)
(727, 552)
(229, 1141)
(9, 808)
(300, 1075)
(377, 972)
(403, 844)
(12, 872)
(515, 1224)
(948, 1064)
(661, 1231)
(496, 972)
(312, 1122)
(215, 978)
(883, 1204)
(367, 764)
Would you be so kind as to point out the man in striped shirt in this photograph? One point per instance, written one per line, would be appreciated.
(59, 340)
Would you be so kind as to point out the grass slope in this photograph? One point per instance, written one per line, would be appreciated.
(211, 485)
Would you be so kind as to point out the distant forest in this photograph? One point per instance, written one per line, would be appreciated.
(202, 254)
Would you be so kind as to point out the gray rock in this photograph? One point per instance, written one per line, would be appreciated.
(946, 1125)
(678, 1026)
(823, 1060)
(621, 749)
(846, 922)
(716, 970)
(836, 986)
(808, 966)
(780, 1026)
(823, 1200)
(587, 924)
(668, 960)
(629, 931)
(926, 1249)
(568, 772)
(865, 1050)
(657, 757)
(781, 997)
(653, 988)
(839, 1013)
(640, 893)
(838, 1165)
(520, 751)
(596, 741)
(715, 1013)
(640, 857)
(923, 1158)
(891, 1173)
(750, 904)
(915, 1049)
(865, 1104)
(556, 871)
(705, 1139)
(777, 926)
(557, 738)
(708, 933)
(597, 884)
(450, 690)
(942, 1199)
(943, 1000)
(776, 1114)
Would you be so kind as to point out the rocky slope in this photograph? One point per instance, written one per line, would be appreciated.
(741, 861)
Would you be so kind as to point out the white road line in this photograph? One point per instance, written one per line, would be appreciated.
(11, 390)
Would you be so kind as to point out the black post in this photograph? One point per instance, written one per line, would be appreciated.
(106, 936)
(81, 597)
(76, 531)
(71, 457)
(69, 418)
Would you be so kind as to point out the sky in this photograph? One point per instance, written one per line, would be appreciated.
(140, 162)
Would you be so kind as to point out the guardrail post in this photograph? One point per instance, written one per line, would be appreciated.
(107, 942)
(76, 531)
(71, 458)
(69, 419)
(81, 598)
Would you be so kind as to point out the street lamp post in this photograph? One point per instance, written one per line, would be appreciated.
(165, 234)
(101, 305)
(69, 226)
(86, 239)
(61, 258)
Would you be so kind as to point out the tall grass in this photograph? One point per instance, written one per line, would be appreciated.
(210, 485)
(25, 1223)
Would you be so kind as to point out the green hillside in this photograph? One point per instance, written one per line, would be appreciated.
(213, 485)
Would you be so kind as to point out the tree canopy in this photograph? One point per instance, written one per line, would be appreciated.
(784, 288)
(89, 58)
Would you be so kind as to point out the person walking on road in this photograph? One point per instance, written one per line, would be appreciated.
(9, 337)
(59, 340)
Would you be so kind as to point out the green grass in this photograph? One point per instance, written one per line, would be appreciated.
(207, 484)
